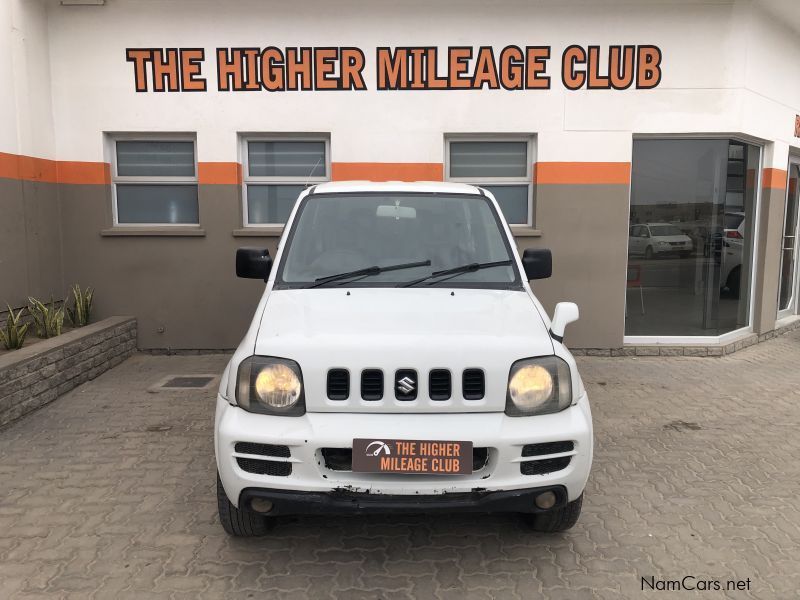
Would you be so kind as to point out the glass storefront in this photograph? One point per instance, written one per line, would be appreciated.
(690, 237)
(787, 294)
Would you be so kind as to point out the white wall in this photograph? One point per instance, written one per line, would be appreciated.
(726, 68)
(26, 117)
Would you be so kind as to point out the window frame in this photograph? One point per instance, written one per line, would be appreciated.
(150, 179)
(736, 334)
(247, 179)
(530, 138)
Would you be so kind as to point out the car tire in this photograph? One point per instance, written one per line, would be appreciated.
(240, 523)
(559, 519)
(648, 252)
(734, 282)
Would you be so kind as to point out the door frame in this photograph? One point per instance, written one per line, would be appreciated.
(790, 310)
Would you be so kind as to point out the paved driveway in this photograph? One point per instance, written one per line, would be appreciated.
(109, 493)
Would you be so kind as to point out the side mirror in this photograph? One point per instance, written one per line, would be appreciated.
(565, 313)
(538, 264)
(253, 263)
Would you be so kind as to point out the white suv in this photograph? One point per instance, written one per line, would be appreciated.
(399, 361)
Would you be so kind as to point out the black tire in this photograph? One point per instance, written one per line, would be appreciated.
(559, 519)
(240, 523)
(648, 252)
(734, 282)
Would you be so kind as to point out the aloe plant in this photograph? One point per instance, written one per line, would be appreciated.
(79, 316)
(48, 320)
(13, 336)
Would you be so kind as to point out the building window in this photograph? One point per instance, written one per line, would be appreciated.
(690, 239)
(155, 182)
(276, 171)
(502, 166)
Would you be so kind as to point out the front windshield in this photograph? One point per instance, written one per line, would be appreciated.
(339, 233)
(665, 230)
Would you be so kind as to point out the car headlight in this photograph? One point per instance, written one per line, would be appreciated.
(538, 386)
(272, 386)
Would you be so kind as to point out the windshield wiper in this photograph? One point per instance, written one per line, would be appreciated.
(457, 271)
(366, 272)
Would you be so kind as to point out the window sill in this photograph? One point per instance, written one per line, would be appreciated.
(525, 231)
(258, 232)
(166, 231)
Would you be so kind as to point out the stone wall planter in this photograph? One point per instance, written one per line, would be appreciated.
(36, 375)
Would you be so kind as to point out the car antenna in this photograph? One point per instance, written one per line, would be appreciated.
(311, 172)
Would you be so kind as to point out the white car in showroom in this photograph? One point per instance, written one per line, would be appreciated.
(398, 361)
(653, 239)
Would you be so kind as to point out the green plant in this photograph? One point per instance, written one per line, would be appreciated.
(48, 320)
(79, 316)
(14, 334)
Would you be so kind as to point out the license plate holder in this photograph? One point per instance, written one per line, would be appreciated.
(412, 457)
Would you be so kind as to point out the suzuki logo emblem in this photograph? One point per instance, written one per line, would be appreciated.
(406, 385)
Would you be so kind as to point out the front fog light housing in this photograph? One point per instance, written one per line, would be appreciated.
(270, 385)
(538, 386)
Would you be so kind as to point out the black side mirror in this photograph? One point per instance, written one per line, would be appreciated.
(538, 264)
(253, 263)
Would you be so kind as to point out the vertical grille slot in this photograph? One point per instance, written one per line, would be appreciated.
(372, 384)
(473, 384)
(338, 384)
(439, 384)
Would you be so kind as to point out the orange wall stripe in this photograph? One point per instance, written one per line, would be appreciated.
(586, 173)
(219, 173)
(29, 168)
(9, 166)
(774, 178)
(375, 171)
(96, 173)
(37, 169)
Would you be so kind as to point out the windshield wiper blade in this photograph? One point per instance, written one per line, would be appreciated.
(457, 271)
(367, 271)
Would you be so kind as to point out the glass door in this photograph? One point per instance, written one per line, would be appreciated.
(787, 290)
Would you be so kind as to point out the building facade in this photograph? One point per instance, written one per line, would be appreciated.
(653, 146)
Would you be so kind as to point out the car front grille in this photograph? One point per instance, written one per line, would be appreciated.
(548, 463)
(542, 467)
(259, 466)
(406, 384)
(262, 449)
(547, 448)
(341, 459)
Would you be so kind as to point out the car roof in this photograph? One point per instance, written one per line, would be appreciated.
(426, 187)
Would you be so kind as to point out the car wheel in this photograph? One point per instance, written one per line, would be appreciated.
(559, 519)
(648, 252)
(734, 281)
(240, 523)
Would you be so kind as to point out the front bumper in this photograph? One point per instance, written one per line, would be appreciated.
(344, 502)
(305, 436)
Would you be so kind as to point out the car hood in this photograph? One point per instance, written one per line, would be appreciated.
(390, 329)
